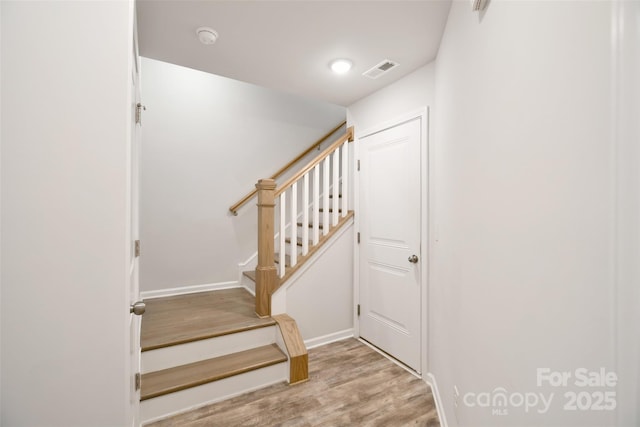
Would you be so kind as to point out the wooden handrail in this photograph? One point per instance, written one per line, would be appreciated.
(348, 136)
(234, 208)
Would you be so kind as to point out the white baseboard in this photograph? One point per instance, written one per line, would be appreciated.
(191, 289)
(328, 339)
(431, 380)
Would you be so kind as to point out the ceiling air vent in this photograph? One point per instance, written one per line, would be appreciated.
(379, 69)
(478, 5)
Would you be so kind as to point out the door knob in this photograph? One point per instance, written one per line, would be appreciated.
(138, 308)
(413, 258)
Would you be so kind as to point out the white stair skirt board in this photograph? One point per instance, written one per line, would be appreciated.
(186, 400)
(191, 289)
(431, 380)
(329, 338)
(279, 298)
(182, 354)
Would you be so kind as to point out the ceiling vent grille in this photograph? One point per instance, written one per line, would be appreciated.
(478, 5)
(380, 69)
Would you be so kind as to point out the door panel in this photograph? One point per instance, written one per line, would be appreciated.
(390, 210)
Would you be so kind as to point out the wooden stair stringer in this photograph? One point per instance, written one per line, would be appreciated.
(296, 350)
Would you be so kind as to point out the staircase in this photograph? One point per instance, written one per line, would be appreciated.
(205, 347)
(298, 217)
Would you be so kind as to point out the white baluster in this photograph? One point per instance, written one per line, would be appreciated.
(283, 222)
(316, 204)
(294, 224)
(305, 214)
(345, 179)
(335, 190)
(325, 197)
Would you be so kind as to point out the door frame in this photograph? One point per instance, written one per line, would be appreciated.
(134, 140)
(425, 253)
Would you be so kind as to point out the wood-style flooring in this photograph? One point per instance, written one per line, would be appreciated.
(185, 318)
(349, 385)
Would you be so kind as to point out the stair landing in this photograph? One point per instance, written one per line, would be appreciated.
(186, 318)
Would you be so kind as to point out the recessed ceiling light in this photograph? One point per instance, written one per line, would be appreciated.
(341, 66)
(207, 35)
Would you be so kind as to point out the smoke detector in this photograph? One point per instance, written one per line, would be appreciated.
(380, 69)
(207, 35)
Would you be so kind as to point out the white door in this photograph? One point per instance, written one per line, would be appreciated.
(133, 231)
(390, 258)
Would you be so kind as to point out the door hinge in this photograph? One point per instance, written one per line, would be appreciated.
(358, 165)
(139, 109)
(358, 309)
(358, 237)
(138, 381)
(136, 248)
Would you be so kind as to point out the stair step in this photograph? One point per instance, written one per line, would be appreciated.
(171, 380)
(251, 274)
(191, 352)
(311, 225)
(187, 318)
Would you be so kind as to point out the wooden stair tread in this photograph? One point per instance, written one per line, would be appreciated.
(251, 274)
(186, 318)
(170, 380)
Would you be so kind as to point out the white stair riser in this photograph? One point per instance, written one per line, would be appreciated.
(177, 355)
(189, 399)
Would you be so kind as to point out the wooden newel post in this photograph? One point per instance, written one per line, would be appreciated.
(266, 273)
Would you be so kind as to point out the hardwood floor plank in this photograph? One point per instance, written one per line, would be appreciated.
(349, 385)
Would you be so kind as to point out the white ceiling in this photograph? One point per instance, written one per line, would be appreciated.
(287, 45)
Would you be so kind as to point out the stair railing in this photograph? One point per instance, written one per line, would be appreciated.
(317, 198)
(234, 208)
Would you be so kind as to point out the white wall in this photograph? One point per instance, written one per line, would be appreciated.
(406, 95)
(206, 141)
(524, 265)
(65, 113)
(626, 41)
